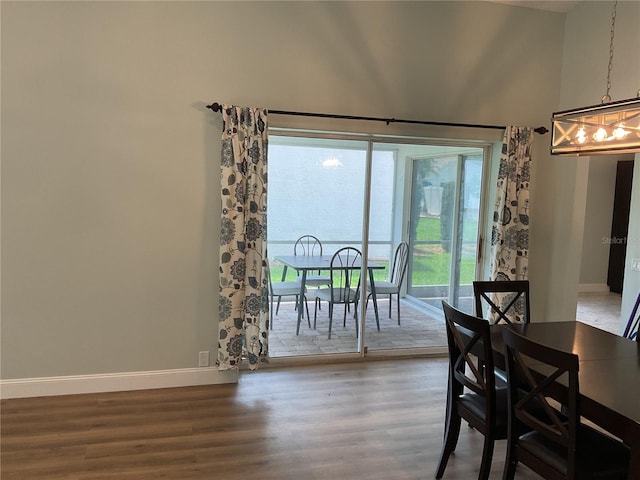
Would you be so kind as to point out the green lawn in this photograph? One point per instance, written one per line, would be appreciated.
(276, 273)
(430, 269)
(431, 264)
(433, 269)
(429, 230)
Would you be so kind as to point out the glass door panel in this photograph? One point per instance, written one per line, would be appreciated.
(445, 207)
(316, 187)
(415, 191)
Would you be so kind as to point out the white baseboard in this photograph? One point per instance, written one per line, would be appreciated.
(593, 288)
(114, 382)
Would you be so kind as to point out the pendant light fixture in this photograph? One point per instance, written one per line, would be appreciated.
(611, 127)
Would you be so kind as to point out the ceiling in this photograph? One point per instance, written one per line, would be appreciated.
(550, 5)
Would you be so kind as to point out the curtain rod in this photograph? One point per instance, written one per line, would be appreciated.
(216, 107)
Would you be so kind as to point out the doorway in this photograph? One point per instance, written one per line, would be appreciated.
(346, 188)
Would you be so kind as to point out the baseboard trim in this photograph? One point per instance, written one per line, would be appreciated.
(114, 382)
(593, 288)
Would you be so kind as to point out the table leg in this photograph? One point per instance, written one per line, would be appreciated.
(303, 280)
(372, 285)
(634, 462)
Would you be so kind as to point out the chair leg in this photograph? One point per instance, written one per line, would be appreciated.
(271, 315)
(487, 456)
(509, 469)
(355, 315)
(344, 319)
(330, 318)
(390, 296)
(451, 433)
(398, 306)
(306, 304)
(510, 464)
(377, 316)
(451, 430)
(315, 313)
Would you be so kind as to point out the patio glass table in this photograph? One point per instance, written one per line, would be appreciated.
(306, 263)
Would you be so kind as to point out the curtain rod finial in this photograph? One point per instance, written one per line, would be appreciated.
(216, 107)
(541, 130)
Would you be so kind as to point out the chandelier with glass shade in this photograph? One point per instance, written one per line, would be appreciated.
(608, 128)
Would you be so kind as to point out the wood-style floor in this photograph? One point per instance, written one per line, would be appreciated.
(367, 420)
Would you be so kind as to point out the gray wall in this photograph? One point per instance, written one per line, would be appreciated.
(110, 160)
(597, 223)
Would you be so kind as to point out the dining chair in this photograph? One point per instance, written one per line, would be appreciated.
(474, 393)
(557, 445)
(305, 245)
(632, 329)
(310, 245)
(507, 300)
(281, 289)
(344, 285)
(398, 272)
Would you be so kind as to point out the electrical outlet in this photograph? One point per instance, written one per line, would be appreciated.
(635, 264)
(203, 359)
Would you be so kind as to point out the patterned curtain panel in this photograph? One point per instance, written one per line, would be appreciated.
(244, 292)
(510, 232)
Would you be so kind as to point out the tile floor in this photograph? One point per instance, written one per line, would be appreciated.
(601, 310)
(417, 329)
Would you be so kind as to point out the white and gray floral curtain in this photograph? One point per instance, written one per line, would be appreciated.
(510, 232)
(244, 294)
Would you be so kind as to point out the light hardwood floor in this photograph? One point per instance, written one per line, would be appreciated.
(601, 310)
(366, 420)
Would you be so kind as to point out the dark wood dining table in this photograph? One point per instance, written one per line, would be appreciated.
(609, 376)
(309, 263)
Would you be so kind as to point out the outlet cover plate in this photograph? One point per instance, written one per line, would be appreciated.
(203, 359)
